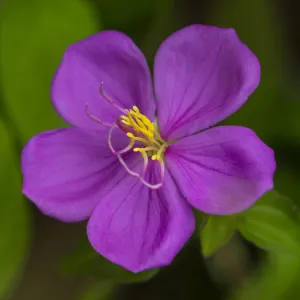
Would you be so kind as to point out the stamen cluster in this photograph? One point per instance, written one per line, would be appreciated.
(140, 130)
(144, 131)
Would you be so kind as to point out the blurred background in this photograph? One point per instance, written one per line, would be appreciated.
(37, 259)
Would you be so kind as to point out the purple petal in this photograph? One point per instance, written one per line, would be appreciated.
(110, 57)
(222, 170)
(139, 228)
(67, 171)
(202, 75)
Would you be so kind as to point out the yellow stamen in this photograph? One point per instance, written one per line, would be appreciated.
(144, 131)
(154, 157)
(145, 149)
(126, 123)
(142, 140)
(161, 150)
(136, 109)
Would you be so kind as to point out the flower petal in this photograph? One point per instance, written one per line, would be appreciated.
(67, 171)
(109, 57)
(222, 170)
(139, 228)
(202, 75)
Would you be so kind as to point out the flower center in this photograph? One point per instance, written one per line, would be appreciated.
(144, 132)
(140, 130)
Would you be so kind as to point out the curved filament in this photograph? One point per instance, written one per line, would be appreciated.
(146, 183)
(105, 96)
(95, 118)
(145, 165)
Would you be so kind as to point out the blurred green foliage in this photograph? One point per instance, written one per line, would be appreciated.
(14, 221)
(257, 26)
(86, 261)
(32, 46)
(33, 37)
(273, 281)
(133, 17)
(97, 291)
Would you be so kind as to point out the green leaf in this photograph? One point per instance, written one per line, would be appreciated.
(34, 35)
(201, 220)
(14, 222)
(216, 233)
(272, 224)
(86, 261)
(294, 284)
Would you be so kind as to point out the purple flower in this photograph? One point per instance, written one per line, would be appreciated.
(135, 164)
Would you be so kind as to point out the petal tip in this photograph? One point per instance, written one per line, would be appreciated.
(218, 74)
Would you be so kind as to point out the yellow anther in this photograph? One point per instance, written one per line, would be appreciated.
(140, 123)
(144, 141)
(144, 131)
(132, 122)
